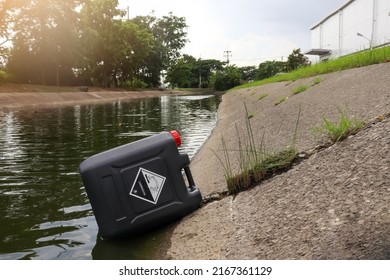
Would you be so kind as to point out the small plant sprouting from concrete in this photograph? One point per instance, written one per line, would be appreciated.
(262, 96)
(281, 100)
(299, 89)
(250, 115)
(316, 81)
(337, 131)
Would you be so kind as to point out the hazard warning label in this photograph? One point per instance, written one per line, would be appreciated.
(147, 185)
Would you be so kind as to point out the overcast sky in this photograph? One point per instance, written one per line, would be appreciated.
(252, 30)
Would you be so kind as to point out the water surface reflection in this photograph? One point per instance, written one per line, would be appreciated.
(44, 210)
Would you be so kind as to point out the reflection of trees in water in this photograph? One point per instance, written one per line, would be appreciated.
(42, 201)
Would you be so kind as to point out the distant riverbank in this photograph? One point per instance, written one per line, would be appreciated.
(14, 96)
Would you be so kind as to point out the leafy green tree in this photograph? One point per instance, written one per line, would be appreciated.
(207, 68)
(296, 59)
(169, 37)
(86, 41)
(5, 10)
(98, 40)
(152, 64)
(135, 45)
(226, 79)
(270, 68)
(43, 33)
(192, 73)
(248, 73)
(22, 62)
(8, 11)
(180, 75)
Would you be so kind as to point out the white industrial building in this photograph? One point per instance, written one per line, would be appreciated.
(357, 25)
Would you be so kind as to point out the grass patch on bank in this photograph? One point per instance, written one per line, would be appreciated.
(365, 58)
(299, 89)
(337, 131)
(316, 81)
(269, 165)
(281, 100)
(255, 162)
(262, 96)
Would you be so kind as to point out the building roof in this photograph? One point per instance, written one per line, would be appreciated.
(330, 15)
(319, 52)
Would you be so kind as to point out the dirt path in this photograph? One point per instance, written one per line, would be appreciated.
(333, 205)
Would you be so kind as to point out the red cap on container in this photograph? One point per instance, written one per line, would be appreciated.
(176, 136)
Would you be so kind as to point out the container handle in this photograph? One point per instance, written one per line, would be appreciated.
(189, 178)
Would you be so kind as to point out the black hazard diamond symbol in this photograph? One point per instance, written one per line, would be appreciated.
(147, 186)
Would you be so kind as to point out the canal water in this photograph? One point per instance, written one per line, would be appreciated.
(44, 210)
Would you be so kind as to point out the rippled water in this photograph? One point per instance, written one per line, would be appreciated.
(44, 210)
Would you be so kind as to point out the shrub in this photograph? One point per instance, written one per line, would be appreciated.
(134, 84)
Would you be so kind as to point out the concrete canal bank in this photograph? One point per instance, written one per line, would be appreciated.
(334, 204)
(49, 99)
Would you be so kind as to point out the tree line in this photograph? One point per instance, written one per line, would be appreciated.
(91, 43)
(189, 72)
(86, 42)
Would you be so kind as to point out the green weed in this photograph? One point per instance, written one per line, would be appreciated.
(262, 96)
(316, 81)
(250, 115)
(281, 100)
(299, 89)
(337, 131)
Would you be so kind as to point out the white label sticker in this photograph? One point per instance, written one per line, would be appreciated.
(147, 185)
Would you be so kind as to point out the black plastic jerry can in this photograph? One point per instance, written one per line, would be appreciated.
(140, 185)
